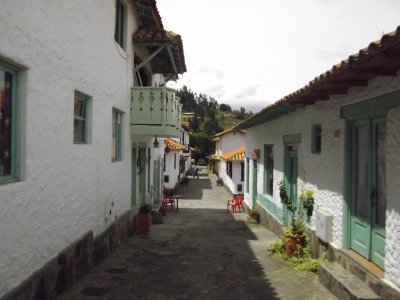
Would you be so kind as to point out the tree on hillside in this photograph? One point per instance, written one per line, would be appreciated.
(187, 98)
(225, 107)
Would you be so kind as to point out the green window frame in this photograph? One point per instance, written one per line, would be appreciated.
(116, 144)
(9, 123)
(120, 24)
(268, 169)
(316, 139)
(81, 113)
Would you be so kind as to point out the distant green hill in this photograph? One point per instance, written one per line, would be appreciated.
(207, 117)
(226, 119)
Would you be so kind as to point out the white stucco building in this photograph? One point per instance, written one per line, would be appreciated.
(69, 156)
(339, 137)
(228, 160)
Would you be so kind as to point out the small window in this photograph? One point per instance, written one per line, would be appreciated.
(120, 23)
(8, 123)
(242, 171)
(80, 118)
(240, 187)
(116, 147)
(164, 162)
(174, 161)
(229, 168)
(316, 139)
(166, 178)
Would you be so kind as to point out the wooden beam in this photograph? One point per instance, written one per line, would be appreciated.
(340, 90)
(377, 71)
(350, 82)
(149, 58)
(171, 57)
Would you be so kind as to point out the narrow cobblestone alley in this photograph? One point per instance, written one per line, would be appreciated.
(200, 252)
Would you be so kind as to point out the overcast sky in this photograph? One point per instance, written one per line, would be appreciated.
(251, 53)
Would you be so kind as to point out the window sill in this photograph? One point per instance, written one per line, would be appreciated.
(8, 179)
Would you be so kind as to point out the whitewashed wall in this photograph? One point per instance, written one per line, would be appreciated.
(231, 141)
(171, 170)
(63, 46)
(325, 172)
(232, 183)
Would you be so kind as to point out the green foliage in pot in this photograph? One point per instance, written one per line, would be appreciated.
(145, 208)
(301, 260)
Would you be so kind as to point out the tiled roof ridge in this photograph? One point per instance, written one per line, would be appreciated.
(364, 55)
(236, 154)
(173, 145)
(226, 131)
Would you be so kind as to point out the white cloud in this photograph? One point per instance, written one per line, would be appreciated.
(261, 51)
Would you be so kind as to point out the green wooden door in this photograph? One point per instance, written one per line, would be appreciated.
(255, 171)
(368, 189)
(134, 179)
(290, 173)
(141, 169)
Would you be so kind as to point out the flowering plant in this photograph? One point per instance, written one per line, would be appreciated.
(307, 200)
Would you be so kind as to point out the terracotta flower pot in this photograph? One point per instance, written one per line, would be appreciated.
(291, 243)
(143, 223)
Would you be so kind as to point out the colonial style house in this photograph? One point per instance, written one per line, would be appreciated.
(174, 171)
(228, 160)
(339, 136)
(82, 103)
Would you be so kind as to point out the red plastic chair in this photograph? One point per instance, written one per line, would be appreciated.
(235, 203)
(168, 200)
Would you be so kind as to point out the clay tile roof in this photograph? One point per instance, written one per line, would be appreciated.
(226, 131)
(215, 157)
(160, 35)
(380, 58)
(173, 145)
(148, 13)
(236, 155)
(151, 29)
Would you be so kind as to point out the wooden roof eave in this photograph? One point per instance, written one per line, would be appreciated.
(269, 115)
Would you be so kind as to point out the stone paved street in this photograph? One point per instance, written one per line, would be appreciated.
(200, 252)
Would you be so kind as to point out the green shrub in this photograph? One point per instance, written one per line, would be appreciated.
(301, 260)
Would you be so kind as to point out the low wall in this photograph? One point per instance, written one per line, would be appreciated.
(73, 262)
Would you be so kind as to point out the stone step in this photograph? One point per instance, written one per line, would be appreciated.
(343, 284)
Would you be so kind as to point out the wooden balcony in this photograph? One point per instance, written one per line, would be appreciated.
(155, 111)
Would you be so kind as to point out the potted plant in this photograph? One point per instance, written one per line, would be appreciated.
(144, 219)
(307, 201)
(253, 217)
(295, 235)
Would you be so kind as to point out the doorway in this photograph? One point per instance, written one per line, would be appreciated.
(367, 188)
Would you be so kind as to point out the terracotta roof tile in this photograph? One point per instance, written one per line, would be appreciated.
(215, 157)
(173, 145)
(226, 131)
(236, 155)
(150, 34)
(380, 58)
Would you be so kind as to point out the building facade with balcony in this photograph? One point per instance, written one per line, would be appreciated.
(73, 167)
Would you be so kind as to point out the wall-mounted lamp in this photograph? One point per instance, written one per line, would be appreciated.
(155, 143)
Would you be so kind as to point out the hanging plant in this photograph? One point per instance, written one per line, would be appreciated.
(307, 200)
(283, 193)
